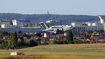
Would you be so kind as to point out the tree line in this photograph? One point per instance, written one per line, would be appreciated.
(4, 33)
(66, 19)
(69, 39)
(14, 43)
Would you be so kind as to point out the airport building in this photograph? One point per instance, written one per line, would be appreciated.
(21, 23)
(9, 22)
(7, 25)
(22, 30)
(88, 26)
(54, 22)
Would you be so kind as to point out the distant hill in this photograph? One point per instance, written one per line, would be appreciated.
(44, 17)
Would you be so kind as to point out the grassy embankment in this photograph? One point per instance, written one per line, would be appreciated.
(74, 51)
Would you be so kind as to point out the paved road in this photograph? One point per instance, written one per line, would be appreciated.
(95, 50)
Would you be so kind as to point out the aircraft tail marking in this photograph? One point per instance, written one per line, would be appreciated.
(43, 25)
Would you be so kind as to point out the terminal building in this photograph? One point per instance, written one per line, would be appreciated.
(7, 25)
(9, 22)
(88, 26)
(21, 23)
(18, 23)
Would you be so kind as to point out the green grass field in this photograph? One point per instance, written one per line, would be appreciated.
(73, 51)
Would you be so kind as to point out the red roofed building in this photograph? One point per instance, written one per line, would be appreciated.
(102, 41)
(26, 33)
(34, 37)
(82, 40)
(25, 39)
(61, 36)
(31, 33)
(46, 40)
(94, 39)
(86, 33)
(85, 41)
(95, 33)
(64, 38)
(1, 39)
(6, 37)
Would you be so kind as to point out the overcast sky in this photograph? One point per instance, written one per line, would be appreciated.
(74, 7)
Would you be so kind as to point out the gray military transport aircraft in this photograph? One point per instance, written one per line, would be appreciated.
(55, 30)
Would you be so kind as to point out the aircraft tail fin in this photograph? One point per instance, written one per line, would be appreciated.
(43, 25)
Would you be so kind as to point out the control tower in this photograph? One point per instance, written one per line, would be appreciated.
(102, 18)
(47, 12)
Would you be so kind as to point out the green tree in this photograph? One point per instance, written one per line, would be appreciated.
(75, 38)
(39, 41)
(21, 39)
(1, 41)
(38, 34)
(15, 39)
(20, 43)
(9, 43)
(59, 42)
(53, 42)
(14, 26)
(25, 25)
(87, 37)
(65, 42)
(84, 24)
(12, 43)
(70, 38)
(3, 33)
(31, 24)
(76, 42)
(28, 36)
(31, 43)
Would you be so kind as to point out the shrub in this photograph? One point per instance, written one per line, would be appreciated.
(32, 43)
(76, 42)
(65, 42)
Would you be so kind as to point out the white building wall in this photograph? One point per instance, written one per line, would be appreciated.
(88, 28)
(76, 24)
(5, 22)
(104, 25)
(93, 28)
(51, 35)
(20, 23)
(14, 22)
(89, 24)
(6, 26)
